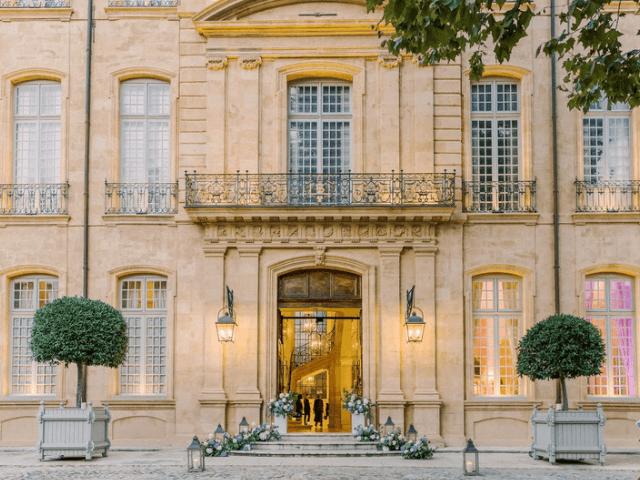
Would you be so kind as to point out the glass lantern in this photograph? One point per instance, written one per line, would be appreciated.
(244, 426)
(218, 435)
(412, 434)
(470, 461)
(195, 456)
(226, 327)
(415, 327)
(389, 426)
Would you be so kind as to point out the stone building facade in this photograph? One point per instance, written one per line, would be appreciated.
(273, 147)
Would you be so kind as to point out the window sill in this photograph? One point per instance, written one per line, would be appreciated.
(140, 403)
(60, 14)
(14, 220)
(158, 13)
(490, 217)
(611, 403)
(16, 402)
(505, 403)
(582, 218)
(113, 220)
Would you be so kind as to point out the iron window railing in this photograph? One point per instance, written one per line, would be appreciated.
(143, 3)
(608, 196)
(141, 198)
(320, 190)
(34, 199)
(35, 3)
(499, 197)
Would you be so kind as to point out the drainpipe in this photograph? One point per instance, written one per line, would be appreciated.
(81, 395)
(87, 129)
(556, 217)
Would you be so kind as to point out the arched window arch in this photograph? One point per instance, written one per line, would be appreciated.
(610, 307)
(142, 299)
(28, 294)
(497, 319)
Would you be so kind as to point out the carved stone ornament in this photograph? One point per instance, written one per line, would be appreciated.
(390, 61)
(320, 255)
(250, 63)
(216, 63)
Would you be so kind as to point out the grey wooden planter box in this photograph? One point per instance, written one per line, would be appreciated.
(73, 432)
(568, 435)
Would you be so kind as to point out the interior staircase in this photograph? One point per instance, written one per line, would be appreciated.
(315, 445)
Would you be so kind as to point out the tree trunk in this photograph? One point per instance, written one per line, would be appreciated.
(80, 386)
(565, 397)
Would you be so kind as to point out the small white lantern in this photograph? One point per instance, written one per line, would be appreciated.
(470, 461)
(244, 426)
(195, 456)
(218, 435)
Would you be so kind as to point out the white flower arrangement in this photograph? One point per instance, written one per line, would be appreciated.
(283, 405)
(355, 403)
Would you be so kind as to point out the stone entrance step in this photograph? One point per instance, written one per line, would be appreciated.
(315, 445)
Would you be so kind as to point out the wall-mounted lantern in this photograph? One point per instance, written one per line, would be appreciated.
(414, 323)
(226, 324)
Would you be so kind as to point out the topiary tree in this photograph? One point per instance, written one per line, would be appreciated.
(560, 347)
(81, 331)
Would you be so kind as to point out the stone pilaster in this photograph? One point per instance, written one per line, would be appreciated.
(213, 399)
(426, 400)
(216, 114)
(390, 399)
(389, 116)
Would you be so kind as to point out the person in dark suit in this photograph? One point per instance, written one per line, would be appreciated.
(299, 407)
(307, 410)
(318, 411)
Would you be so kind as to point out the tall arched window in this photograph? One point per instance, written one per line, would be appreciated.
(495, 145)
(143, 303)
(320, 118)
(145, 109)
(610, 307)
(36, 138)
(28, 294)
(497, 328)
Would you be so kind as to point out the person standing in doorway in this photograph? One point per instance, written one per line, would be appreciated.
(307, 410)
(299, 407)
(318, 411)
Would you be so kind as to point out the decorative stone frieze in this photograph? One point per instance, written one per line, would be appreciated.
(217, 63)
(300, 231)
(390, 61)
(250, 63)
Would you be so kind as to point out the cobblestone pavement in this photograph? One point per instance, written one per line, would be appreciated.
(170, 464)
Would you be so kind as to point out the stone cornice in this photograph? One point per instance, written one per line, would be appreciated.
(289, 28)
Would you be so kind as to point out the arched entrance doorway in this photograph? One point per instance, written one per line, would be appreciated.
(320, 343)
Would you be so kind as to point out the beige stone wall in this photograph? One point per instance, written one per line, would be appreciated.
(228, 69)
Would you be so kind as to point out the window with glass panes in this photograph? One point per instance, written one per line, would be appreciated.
(145, 109)
(143, 303)
(606, 142)
(495, 142)
(27, 377)
(36, 132)
(320, 118)
(609, 306)
(497, 328)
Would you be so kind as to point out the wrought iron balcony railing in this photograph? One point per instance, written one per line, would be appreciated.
(320, 190)
(608, 196)
(35, 3)
(143, 3)
(499, 197)
(34, 199)
(141, 198)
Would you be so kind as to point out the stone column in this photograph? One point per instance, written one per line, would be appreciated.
(426, 400)
(247, 400)
(390, 397)
(213, 399)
